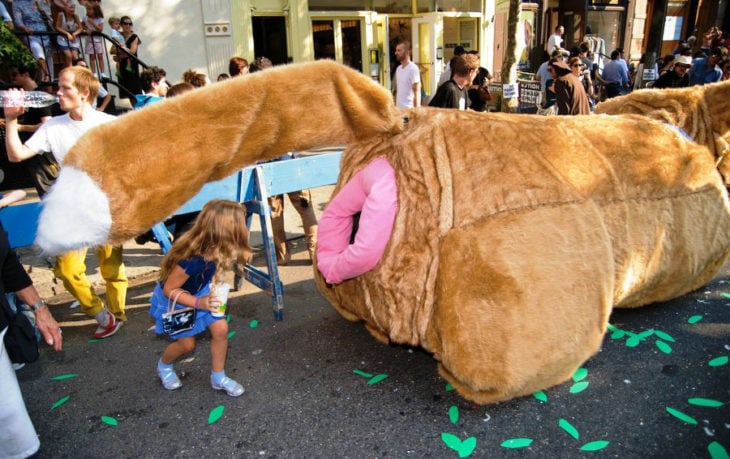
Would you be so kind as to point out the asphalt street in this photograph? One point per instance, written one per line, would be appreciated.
(320, 386)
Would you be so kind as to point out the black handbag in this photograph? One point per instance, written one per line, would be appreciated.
(176, 321)
(20, 338)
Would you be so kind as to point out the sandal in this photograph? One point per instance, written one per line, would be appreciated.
(169, 378)
(231, 387)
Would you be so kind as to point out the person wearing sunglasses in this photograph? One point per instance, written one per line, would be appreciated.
(678, 77)
(128, 65)
(570, 97)
(578, 68)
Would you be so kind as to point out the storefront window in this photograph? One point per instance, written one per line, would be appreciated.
(324, 39)
(393, 6)
(604, 27)
(351, 44)
(425, 6)
(325, 46)
(451, 5)
(339, 5)
(608, 2)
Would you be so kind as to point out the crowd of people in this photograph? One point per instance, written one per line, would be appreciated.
(463, 83)
(688, 65)
(37, 21)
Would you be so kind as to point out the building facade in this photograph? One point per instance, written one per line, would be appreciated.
(203, 34)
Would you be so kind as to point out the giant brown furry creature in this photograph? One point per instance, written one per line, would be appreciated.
(703, 112)
(514, 236)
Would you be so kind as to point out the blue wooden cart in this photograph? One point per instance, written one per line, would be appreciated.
(250, 186)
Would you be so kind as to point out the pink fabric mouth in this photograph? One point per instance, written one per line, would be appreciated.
(372, 192)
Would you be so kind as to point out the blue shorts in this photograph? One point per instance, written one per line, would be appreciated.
(158, 306)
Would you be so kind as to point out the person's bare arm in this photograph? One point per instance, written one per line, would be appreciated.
(416, 94)
(174, 283)
(104, 102)
(44, 320)
(16, 150)
(11, 197)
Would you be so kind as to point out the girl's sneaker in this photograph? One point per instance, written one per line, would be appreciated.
(231, 387)
(169, 378)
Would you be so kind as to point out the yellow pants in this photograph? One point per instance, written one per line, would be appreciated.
(71, 269)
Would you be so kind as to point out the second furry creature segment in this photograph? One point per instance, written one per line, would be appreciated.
(703, 112)
(517, 235)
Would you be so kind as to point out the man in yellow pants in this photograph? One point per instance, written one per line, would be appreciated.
(77, 89)
(71, 269)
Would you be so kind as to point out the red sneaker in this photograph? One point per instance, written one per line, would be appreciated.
(111, 327)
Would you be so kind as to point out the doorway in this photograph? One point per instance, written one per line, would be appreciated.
(269, 38)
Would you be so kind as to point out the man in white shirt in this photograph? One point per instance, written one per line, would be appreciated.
(77, 88)
(407, 78)
(555, 40)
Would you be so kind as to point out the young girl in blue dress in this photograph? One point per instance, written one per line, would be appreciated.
(218, 239)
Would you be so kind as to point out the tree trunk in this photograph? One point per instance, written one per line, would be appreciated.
(509, 65)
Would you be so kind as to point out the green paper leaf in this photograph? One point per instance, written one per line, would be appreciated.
(376, 379)
(66, 376)
(60, 402)
(664, 336)
(594, 445)
(215, 414)
(705, 402)
(94, 340)
(726, 295)
(612, 327)
(231, 334)
(633, 341)
(568, 427)
(449, 387)
(464, 448)
(467, 447)
(516, 443)
(454, 414)
(228, 318)
(451, 440)
(109, 420)
(578, 387)
(718, 361)
(253, 324)
(618, 334)
(681, 416)
(695, 319)
(580, 374)
(664, 347)
(717, 451)
(540, 395)
(645, 334)
(362, 373)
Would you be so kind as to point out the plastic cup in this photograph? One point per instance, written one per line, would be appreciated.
(221, 292)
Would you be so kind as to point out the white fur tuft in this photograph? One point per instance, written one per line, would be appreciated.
(75, 214)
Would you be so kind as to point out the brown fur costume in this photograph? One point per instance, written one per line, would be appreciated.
(515, 235)
(703, 112)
